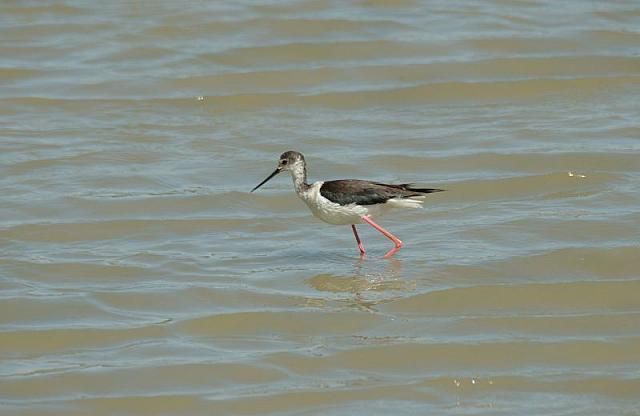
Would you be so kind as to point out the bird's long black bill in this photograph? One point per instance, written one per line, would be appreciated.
(275, 172)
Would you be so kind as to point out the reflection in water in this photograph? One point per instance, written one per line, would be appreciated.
(367, 276)
(391, 267)
(373, 281)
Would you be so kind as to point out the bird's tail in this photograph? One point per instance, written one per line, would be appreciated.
(409, 187)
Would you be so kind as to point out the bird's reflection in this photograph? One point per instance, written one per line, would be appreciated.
(392, 269)
(370, 283)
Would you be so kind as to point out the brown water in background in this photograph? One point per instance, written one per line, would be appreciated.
(139, 277)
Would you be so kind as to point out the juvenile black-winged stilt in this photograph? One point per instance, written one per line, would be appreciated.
(349, 201)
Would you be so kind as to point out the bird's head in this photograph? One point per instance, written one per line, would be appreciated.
(291, 161)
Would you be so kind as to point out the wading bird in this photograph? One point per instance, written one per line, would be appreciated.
(349, 201)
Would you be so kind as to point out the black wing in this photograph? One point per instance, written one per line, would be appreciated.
(354, 191)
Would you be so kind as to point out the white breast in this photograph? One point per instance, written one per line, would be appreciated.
(337, 214)
(331, 212)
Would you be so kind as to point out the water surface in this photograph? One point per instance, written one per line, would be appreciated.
(138, 276)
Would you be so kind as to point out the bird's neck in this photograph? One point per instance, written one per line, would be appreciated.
(299, 175)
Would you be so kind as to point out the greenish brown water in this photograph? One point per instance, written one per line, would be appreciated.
(139, 277)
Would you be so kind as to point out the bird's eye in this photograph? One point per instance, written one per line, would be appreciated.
(283, 162)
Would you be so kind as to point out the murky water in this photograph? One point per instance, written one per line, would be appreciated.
(139, 277)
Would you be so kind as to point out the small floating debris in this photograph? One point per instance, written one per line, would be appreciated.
(472, 381)
(200, 98)
(577, 175)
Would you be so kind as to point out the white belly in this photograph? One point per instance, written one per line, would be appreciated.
(337, 214)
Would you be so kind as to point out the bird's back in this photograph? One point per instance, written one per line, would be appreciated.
(361, 192)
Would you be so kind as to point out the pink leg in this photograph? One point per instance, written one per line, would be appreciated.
(387, 234)
(360, 246)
